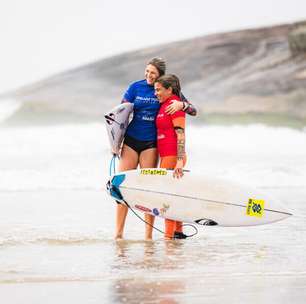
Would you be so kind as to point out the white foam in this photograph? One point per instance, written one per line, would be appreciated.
(77, 156)
(8, 107)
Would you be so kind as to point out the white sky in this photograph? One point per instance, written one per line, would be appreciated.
(42, 37)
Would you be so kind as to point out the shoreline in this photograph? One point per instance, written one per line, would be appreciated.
(28, 118)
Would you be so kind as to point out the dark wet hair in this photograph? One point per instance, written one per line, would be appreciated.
(160, 65)
(170, 80)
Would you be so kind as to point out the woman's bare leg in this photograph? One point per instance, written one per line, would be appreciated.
(148, 159)
(128, 161)
(171, 226)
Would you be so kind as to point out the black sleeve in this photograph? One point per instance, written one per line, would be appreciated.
(191, 110)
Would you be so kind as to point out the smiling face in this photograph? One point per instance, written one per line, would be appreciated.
(151, 74)
(161, 92)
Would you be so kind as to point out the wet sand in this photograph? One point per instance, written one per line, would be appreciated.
(72, 257)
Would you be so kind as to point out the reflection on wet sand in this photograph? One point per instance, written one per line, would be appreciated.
(172, 271)
(143, 290)
(151, 288)
(150, 255)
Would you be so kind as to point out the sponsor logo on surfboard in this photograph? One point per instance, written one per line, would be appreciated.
(143, 208)
(155, 211)
(161, 211)
(255, 207)
(164, 209)
(110, 118)
(113, 134)
(153, 172)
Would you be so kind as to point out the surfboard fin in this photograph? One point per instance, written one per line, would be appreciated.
(113, 186)
(206, 222)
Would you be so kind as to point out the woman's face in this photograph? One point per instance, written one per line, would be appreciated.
(161, 92)
(151, 74)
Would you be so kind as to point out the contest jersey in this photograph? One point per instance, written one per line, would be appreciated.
(146, 106)
(165, 123)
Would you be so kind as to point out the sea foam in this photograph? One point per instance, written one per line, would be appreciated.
(8, 107)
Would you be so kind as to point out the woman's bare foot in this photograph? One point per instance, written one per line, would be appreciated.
(118, 237)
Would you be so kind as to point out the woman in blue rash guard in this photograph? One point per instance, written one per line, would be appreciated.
(140, 142)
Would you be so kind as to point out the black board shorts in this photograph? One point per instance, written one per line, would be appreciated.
(139, 145)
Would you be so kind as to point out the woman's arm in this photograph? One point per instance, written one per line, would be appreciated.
(179, 127)
(182, 105)
(129, 94)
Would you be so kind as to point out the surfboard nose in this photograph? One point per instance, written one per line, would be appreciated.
(284, 215)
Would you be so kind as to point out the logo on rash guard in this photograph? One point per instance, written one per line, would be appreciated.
(146, 99)
(148, 118)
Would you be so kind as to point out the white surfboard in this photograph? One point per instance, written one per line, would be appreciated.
(117, 121)
(194, 198)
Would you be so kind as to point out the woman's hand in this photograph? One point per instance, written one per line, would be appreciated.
(174, 106)
(178, 170)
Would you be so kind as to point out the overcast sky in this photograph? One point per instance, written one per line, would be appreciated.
(42, 37)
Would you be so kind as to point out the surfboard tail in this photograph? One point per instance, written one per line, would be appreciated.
(113, 184)
(116, 122)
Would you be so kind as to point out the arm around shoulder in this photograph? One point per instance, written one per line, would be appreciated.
(188, 108)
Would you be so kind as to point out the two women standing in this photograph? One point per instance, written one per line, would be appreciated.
(140, 143)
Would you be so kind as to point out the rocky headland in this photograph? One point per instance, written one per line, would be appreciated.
(259, 71)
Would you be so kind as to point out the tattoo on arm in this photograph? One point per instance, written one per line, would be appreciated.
(180, 143)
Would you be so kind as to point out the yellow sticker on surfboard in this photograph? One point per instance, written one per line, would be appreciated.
(255, 207)
(153, 171)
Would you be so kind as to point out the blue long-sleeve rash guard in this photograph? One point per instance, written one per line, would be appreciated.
(146, 106)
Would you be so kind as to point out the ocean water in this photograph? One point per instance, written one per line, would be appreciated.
(57, 222)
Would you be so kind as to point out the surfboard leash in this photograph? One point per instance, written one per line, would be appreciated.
(177, 234)
(112, 165)
(115, 192)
